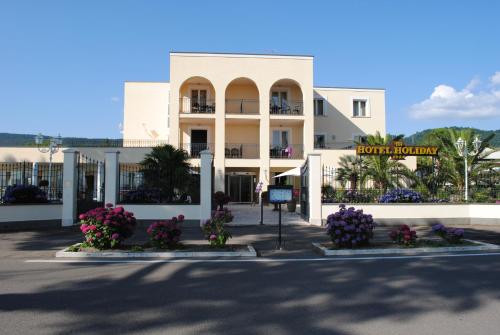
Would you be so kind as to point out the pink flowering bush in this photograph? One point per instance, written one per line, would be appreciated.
(106, 227)
(165, 234)
(215, 233)
(224, 215)
(404, 236)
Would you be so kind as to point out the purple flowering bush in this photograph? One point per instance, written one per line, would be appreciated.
(106, 227)
(165, 234)
(24, 194)
(404, 235)
(349, 228)
(401, 195)
(215, 232)
(450, 235)
(225, 215)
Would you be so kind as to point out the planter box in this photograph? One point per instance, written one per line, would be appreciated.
(481, 246)
(247, 251)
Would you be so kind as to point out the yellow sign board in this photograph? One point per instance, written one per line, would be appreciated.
(397, 150)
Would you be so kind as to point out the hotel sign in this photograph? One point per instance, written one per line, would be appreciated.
(397, 150)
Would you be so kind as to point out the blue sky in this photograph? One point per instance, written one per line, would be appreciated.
(63, 63)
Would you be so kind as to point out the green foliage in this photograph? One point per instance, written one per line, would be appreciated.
(166, 168)
(382, 169)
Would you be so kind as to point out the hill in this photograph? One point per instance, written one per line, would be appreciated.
(418, 137)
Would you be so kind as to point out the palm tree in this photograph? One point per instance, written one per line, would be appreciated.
(381, 169)
(350, 170)
(451, 162)
(166, 168)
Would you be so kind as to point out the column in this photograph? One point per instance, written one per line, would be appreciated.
(205, 186)
(264, 174)
(100, 181)
(112, 174)
(34, 174)
(70, 187)
(220, 139)
(314, 170)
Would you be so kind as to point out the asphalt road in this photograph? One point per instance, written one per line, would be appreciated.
(441, 295)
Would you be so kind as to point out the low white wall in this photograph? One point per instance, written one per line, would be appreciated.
(462, 213)
(32, 212)
(163, 212)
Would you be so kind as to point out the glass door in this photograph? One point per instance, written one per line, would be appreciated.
(240, 188)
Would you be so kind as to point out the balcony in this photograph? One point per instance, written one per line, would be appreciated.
(194, 149)
(242, 106)
(339, 145)
(242, 150)
(286, 108)
(290, 151)
(199, 106)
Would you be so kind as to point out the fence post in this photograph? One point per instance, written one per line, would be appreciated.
(70, 185)
(34, 174)
(314, 170)
(111, 182)
(205, 186)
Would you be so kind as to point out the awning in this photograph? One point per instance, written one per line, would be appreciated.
(292, 172)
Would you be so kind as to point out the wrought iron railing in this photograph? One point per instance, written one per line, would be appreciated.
(242, 150)
(194, 149)
(477, 194)
(135, 188)
(16, 176)
(242, 106)
(290, 151)
(286, 108)
(200, 106)
(340, 145)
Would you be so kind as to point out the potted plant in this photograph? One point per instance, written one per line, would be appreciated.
(291, 205)
(220, 199)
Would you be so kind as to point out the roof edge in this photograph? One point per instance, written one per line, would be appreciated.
(238, 54)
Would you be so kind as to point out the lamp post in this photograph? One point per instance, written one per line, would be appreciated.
(53, 147)
(463, 151)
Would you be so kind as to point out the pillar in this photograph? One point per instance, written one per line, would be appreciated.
(112, 174)
(314, 170)
(34, 174)
(70, 187)
(205, 186)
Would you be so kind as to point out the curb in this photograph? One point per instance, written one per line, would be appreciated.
(482, 246)
(249, 252)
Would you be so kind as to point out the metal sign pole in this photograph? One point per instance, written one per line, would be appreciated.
(279, 227)
(261, 210)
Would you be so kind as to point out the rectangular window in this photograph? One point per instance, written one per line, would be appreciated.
(360, 139)
(319, 141)
(359, 108)
(319, 107)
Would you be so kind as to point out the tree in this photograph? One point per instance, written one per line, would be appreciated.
(450, 164)
(166, 168)
(350, 170)
(382, 169)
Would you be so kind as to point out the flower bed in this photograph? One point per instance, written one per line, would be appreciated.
(147, 251)
(422, 246)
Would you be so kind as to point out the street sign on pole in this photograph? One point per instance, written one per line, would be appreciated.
(279, 194)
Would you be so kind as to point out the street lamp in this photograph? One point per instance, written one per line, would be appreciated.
(53, 147)
(463, 151)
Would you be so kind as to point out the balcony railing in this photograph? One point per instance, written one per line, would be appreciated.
(200, 106)
(286, 108)
(290, 151)
(194, 149)
(242, 106)
(335, 145)
(242, 150)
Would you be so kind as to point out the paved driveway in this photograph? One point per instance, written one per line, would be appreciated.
(443, 295)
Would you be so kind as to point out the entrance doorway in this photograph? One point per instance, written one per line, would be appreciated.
(240, 186)
(199, 139)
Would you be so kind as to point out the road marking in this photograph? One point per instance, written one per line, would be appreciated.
(254, 260)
